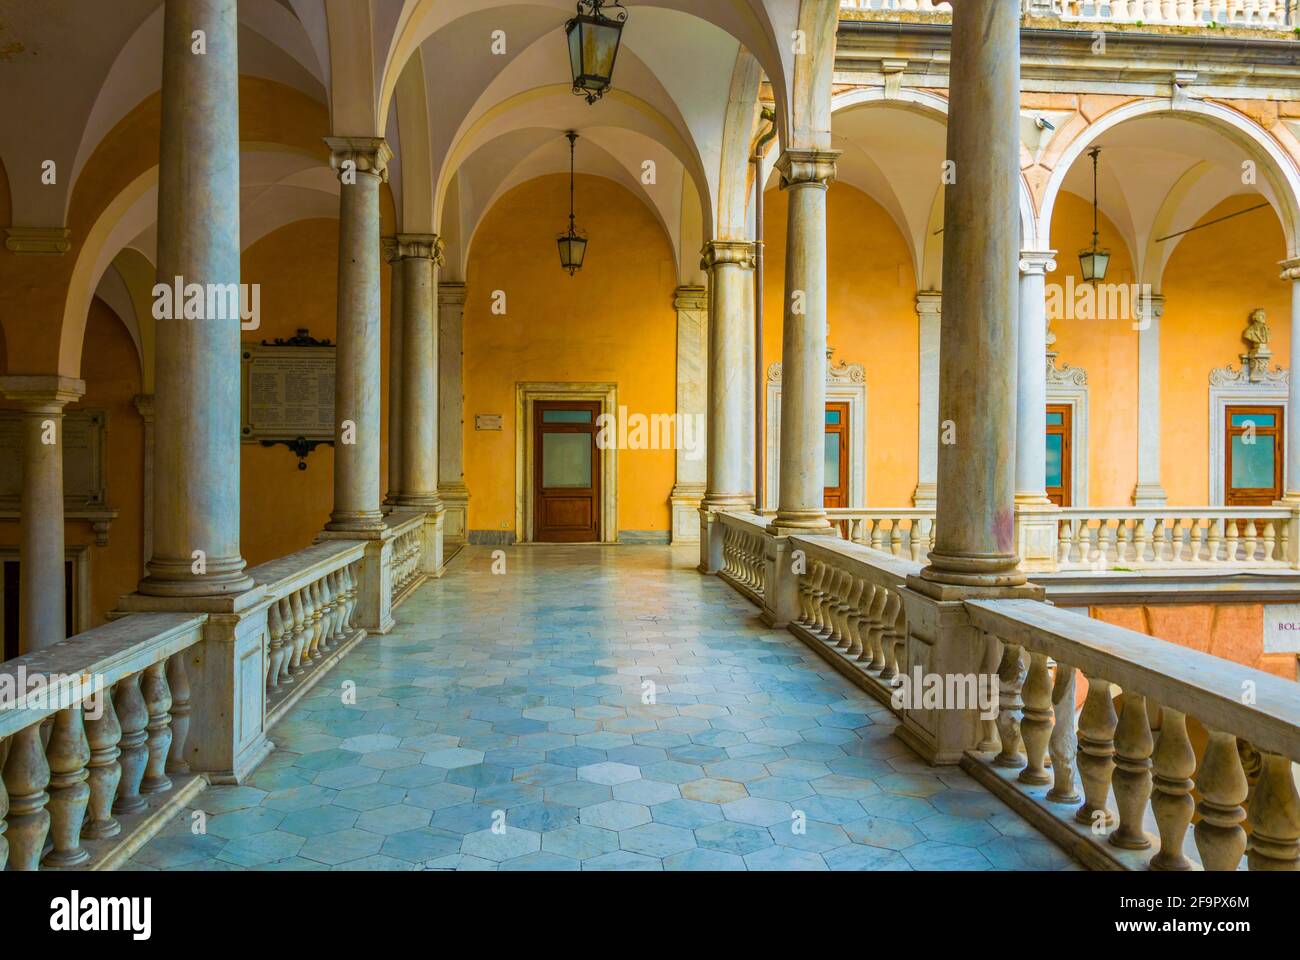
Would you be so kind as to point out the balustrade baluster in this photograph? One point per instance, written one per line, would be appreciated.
(1065, 541)
(893, 636)
(1141, 542)
(1173, 764)
(1274, 818)
(806, 578)
(877, 535)
(852, 643)
(133, 715)
(896, 537)
(274, 645)
(286, 640)
(1097, 722)
(300, 634)
(67, 754)
(876, 614)
(1222, 785)
(1036, 723)
(158, 701)
(102, 734)
(1132, 776)
(178, 681)
(1063, 747)
(326, 614)
(1011, 678)
(317, 620)
(26, 775)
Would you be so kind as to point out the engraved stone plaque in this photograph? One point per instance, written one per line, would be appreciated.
(287, 392)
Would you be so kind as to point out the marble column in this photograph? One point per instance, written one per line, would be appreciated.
(1031, 381)
(806, 174)
(196, 393)
(421, 254)
(451, 410)
(1149, 492)
(362, 163)
(41, 587)
(975, 545)
(929, 310)
(395, 338)
(729, 483)
(692, 305)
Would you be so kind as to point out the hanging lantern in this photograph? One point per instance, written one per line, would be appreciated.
(593, 46)
(1094, 261)
(573, 246)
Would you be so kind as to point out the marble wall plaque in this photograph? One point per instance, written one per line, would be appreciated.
(287, 392)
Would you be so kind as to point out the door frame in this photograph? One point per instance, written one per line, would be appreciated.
(1067, 451)
(527, 394)
(1279, 448)
(1230, 387)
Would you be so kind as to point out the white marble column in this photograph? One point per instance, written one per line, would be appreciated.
(806, 174)
(1031, 382)
(41, 587)
(975, 547)
(1149, 492)
(362, 163)
(929, 310)
(196, 391)
(451, 410)
(1291, 275)
(144, 404)
(421, 254)
(692, 305)
(729, 481)
(395, 338)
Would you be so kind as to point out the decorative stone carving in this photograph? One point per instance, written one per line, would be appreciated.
(1065, 374)
(1230, 376)
(836, 373)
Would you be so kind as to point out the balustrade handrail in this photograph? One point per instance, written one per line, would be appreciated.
(1251, 14)
(283, 576)
(1177, 513)
(103, 655)
(1197, 684)
(859, 559)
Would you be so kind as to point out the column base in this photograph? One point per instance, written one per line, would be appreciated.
(685, 502)
(224, 577)
(802, 525)
(954, 586)
(357, 523)
(420, 502)
(455, 501)
(1150, 495)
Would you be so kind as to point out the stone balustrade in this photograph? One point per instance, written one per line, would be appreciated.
(903, 531)
(408, 544)
(1131, 748)
(1261, 14)
(743, 558)
(1140, 538)
(93, 739)
(310, 620)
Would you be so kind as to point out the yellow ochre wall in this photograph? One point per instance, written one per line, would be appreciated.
(871, 306)
(613, 321)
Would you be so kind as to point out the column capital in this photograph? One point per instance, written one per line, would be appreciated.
(420, 246)
(738, 252)
(368, 154)
(1037, 261)
(47, 241)
(389, 247)
(38, 391)
(144, 406)
(451, 293)
(929, 302)
(1290, 268)
(691, 297)
(807, 166)
(1151, 305)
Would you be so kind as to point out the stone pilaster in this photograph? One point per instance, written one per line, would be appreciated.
(421, 255)
(196, 391)
(1031, 381)
(41, 545)
(144, 404)
(1149, 492)
(1291, 275)
(729, 483)
(395, 339)
(451, 411)
(692, 306)
(806, 174)
(362, 163)
(929, 311)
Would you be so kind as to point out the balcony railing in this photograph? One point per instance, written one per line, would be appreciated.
(97, 748)
(1100, 539)
(1113, 782)
(1261, 14)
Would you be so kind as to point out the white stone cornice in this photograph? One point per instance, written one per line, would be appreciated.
(420, 246)
(39, 241)
(369, 155)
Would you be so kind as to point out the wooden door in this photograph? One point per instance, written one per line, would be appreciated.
(1253, 455)
(566, 472)
(1060, 454)
(836, 493)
